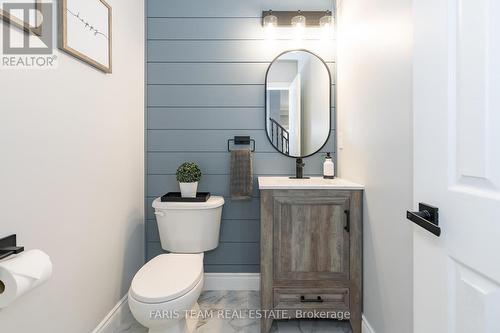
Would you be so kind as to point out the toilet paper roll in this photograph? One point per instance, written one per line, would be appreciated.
(22, 273)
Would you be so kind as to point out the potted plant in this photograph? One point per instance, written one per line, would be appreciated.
(188, 175)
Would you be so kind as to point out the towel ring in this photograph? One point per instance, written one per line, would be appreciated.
(241, 140)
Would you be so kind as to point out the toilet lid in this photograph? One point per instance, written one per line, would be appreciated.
(166, 277)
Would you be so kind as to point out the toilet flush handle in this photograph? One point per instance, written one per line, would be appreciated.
(159, 213)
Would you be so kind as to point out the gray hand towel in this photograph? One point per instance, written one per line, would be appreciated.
(241, 174)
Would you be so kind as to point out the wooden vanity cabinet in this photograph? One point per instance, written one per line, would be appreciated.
(311, 253)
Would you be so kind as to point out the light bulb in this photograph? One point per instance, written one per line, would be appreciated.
(326, 24)
(299, 21)
(326, 21)
(270, 20)
(299, 24)
(270, 23)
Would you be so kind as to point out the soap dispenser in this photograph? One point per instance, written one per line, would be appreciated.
(328, 167)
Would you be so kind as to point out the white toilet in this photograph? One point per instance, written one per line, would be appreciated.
(170, 284)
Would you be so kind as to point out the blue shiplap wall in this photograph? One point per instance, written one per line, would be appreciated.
(206, 64)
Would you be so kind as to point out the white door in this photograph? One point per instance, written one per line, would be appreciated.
(457, 165)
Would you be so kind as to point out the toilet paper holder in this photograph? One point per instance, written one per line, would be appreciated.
(8, 246)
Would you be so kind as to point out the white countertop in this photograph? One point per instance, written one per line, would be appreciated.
(313, 183)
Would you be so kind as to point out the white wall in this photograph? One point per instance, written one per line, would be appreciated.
(71, 175)
(374, 113)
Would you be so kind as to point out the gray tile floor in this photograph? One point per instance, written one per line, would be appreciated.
(241, 301)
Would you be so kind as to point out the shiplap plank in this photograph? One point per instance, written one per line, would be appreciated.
(218, 163)
(153, 249)
(229, 8)
(242, 209)
(231, 50)
(205, 28)
(232, 268)
(152, 231)
(192, 96)
(233, 210)
(231, 231)
(240, 231)
(206, 96)
(206, 118)
(202, 140)
(210, 140)
(220, 28)
(211, 73)
(233, 254)
(207, 73)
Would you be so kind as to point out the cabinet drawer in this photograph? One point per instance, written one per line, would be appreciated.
(337, 298)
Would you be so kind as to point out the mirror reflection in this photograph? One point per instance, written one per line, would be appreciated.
(298, 103)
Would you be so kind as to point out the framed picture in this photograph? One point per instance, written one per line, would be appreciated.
(31, 23)
(85, 31)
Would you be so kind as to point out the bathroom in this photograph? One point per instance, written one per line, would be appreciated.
(91, 137)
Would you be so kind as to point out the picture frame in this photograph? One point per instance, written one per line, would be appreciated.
(85, 32)
(19, 22)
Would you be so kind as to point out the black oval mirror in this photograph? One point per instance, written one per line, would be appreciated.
(298, 103)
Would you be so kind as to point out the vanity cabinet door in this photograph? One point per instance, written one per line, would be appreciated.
(311, 238)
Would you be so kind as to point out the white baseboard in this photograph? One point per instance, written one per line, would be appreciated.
(119, 311)
(366, 328)
(232, 281)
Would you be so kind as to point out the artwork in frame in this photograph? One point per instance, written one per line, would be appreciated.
(31, 23)
(85, 31)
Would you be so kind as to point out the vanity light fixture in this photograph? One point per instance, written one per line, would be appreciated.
(297, 18)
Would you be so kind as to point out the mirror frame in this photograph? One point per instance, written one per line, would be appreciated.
(329, 103)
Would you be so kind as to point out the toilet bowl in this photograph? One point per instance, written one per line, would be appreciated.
(169, 285)
(164, 289)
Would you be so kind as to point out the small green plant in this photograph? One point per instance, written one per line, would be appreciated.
(188, 172)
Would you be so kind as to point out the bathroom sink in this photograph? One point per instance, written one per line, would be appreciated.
(285, 183)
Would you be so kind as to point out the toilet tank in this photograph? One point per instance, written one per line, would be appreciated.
(189, 227)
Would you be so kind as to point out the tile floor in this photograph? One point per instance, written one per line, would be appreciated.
(235, 300)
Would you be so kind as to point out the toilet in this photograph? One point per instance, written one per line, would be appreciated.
(170, 284)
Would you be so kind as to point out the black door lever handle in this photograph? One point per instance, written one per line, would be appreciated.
(8, 246)
(427, 217)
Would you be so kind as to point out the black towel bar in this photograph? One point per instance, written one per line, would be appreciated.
(241, 140)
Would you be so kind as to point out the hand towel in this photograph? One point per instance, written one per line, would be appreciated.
(241, 174)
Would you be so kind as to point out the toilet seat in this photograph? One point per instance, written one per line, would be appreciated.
(167, 277)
